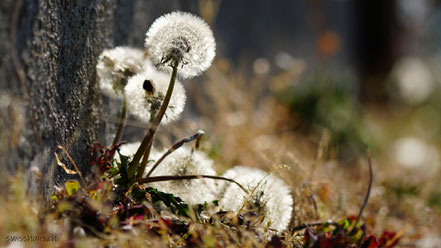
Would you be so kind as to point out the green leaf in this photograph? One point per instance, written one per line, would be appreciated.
(138, 194)
(94, 195)
(71, 186)
(131, 169)
(344, 223)
(113, 171)
(175, 204)
(122, 166)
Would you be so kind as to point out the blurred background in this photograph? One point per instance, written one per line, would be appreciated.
(312, 84)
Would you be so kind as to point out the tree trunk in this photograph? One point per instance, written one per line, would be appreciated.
(48, 95)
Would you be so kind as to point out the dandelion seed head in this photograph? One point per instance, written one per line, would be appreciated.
(127, 149)
(115, 66)
(183, 37)
(185, 161)
(146, 91)
(272, 198)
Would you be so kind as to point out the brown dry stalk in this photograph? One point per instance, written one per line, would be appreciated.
(82, 181)
(62, 165)
(187, 177)
(371, 177)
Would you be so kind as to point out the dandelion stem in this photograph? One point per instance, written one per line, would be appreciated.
(176, 146)
(121, 122)
(186, 177)
(145, 160)
(154, 125)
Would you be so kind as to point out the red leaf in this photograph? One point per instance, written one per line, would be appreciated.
(370, 242)
(386, 237)
(101, 157)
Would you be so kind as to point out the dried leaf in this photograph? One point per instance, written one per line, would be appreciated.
(68, 171)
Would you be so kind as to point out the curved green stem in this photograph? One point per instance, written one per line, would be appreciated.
(121, 122)
(154, 125)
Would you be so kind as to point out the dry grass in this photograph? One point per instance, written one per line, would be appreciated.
(246, 125)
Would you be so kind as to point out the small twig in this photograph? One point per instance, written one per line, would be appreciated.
(121, 122)
(176, 146)
(82, 181)
(398, 235)
(306, 225)
(270, 229)
(366, 198)
(323, 144)
(311, 198)
(186, 177)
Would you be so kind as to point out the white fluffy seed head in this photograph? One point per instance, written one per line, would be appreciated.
(146, 91)
(185, 161)
(128, 149)
(271, 199)
(115, 66)
(183, 37)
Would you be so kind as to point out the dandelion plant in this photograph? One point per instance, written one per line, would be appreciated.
(115, 67)
(175, 42)
(271, 197)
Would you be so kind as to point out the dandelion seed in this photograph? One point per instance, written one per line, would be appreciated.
(145, 93)
(185, 161)
(115, 66)
(271, 199)
(183, 38)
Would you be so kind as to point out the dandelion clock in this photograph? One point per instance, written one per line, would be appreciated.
(182, 39)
